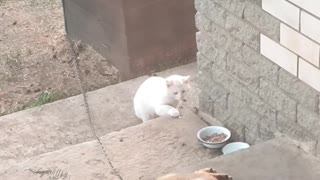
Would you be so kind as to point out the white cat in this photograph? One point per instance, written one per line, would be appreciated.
(159, 96)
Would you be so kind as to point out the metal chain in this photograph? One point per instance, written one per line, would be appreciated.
(84, 94)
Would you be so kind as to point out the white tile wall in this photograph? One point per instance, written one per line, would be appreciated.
(309, 74)
(299, 44)
(283, 10)
(312, 6)
(278, 54)
(310, 26)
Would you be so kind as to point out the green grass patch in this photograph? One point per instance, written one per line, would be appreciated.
(44, 98)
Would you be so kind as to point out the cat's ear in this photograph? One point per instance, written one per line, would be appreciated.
(186, 79)
(169, 83)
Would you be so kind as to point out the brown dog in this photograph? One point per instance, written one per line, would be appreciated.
(203, 174)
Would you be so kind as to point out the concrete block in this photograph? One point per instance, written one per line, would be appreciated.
(284, 11)
(277, 99)
(240, 71)
(221, 111)
(251, 11)
(211, 10)
(309, 74)
(262, 20)
(310, 26)
(234, 6)
(261, 65)
(249, 118)
(312, 6)
(298, 90)
(213, 55)
(309, 120)
(299, 44)
(219, 37)
(289, 127)
(278, 54)
(252, 100)
(242, 30)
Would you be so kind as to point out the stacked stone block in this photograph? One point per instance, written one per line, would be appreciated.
(248, 77)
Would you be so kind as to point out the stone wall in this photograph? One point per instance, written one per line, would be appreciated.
(257, 73)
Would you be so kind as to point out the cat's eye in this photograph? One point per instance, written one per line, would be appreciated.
(175, 93)
(183, 91)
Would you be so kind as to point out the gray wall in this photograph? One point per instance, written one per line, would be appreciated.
(243, 89)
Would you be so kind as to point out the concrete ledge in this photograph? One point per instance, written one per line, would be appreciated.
(157, 147)
(277, 159)
(64, 123)
(82, 161)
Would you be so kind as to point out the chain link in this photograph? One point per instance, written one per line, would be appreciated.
(76, 66)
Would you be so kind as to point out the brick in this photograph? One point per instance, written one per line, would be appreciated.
(240, 71)
(310, 26)
(221, 111)
(219, 38)
(207, 49)
(287, 126)
(278, 54)
(267, 129)
(312, 6)
(248, 97)
(263, 21)
(236, 127)
(299, 44)
(298, 90)
(309, 120)
(277, 99)
(247, 117)
(244, 31)
(261, 65)
(211, 10)
(309, 74)
(206, 105)
(234, 6)
(257, 2)
(250, 11)
(283, 10)
(218, 15)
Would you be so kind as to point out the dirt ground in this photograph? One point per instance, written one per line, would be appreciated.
(36, 57)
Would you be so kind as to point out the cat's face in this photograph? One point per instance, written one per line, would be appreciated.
(177, 86)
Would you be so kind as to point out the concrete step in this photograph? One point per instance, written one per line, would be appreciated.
(64, 123)
(277, 159)
(144, 151)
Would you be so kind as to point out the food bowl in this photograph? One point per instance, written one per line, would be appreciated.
(204, 133)
(234, 146)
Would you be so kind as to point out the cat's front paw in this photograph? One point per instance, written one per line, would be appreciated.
(174, 113)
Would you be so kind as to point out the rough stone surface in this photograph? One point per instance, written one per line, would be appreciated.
(229, 60)
(251, 11)
(39, 130)
(242, 30)
(265, 22)
(213, 11)
(309, 120)
(278, 159)
(82, 161)
(157, 147)
(216, 45)
(294, 130)
(298, 90)
(275, 97)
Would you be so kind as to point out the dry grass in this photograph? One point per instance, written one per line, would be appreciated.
(35, 56)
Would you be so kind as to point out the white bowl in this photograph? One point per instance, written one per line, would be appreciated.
(234, 146)
(207, 131)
